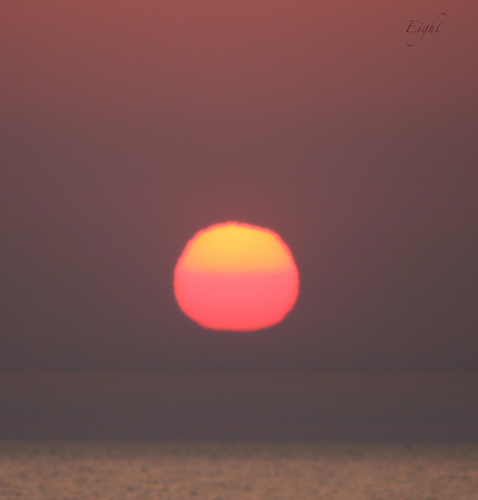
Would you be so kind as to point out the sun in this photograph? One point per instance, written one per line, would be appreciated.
(236, 277)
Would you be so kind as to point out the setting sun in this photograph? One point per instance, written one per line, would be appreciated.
(236, 277)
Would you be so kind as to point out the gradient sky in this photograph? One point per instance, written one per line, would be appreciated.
(127, 126)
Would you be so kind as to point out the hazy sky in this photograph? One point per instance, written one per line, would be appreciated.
(127, 126)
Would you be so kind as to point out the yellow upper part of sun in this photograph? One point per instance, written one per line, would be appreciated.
(235, 248)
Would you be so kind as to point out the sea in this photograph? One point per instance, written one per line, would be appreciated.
(115, 470)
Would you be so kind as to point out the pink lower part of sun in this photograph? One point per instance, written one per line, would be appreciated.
(236, 301)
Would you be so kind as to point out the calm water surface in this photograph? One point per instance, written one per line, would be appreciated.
(230, 471)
